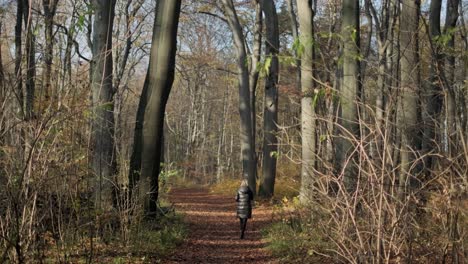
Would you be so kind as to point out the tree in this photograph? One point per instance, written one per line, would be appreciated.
(270, 112)
(30, 63)
(433, 95)
(451, 18)
(350, 92)
(384, 22)
(102, 131)
(407, 115)
(253, 76)
(50, 8)
(308, 125)
(153, 100)
(246, 137)
(18, 53)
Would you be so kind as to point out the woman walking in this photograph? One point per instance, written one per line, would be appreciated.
(244, 205)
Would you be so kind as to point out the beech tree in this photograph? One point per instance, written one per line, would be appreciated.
(308, 125)
(270, 112)
(407, 115)
(155, 94)
(246, 136)
(350, 92)
(50, 8)
(102, 132)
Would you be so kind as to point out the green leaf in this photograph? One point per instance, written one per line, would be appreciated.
(274, 154)
(109, 106)
(323, 138)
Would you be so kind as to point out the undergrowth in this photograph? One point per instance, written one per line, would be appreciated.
(148, 241)
(294, 237)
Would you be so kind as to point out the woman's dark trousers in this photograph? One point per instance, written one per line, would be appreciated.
(243, 225)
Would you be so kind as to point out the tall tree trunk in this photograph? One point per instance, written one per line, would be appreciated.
(407, 117)
(451, 18)
(135, 159)
(50, 7)
(350, 92)
(433, 95)
(270, 111)
(19, 54)
(3, 92)
(308, 118)
(159, 80)
(246, 137)
(102, 131)
(253, 77)
(30, 63)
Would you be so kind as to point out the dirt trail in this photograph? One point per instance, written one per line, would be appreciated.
(214, 230)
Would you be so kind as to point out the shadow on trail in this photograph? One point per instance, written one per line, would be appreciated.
(214, 230)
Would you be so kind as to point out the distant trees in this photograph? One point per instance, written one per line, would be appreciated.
(380, 143)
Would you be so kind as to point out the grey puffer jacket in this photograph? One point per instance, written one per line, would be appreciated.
(244, 202)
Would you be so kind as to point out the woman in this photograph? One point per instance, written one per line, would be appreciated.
(244, 205)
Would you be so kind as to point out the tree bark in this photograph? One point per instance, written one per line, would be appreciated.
(350, 93)
(270, 111)
(50, 8)
(160, 77)
(451, 18)
(135, 159)
(30, 64)
(253, 77)
(407, 117)
(246, 137)
(308, 116)
(102, 131)
(433, 96)
(19, 54)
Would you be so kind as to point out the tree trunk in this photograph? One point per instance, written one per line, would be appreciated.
(135, 159)
(3, 92)
(50, 7)
(253, 77)
(19, 54)
(30, 64)
(451, 18)
(308, 117)
(407, 118)
(246, 137)
(159, 83)
(350, 93)
(433, 96)
(102, 131)
(270, 111)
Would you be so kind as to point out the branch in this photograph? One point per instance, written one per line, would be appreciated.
(77, 46)
(213, 15)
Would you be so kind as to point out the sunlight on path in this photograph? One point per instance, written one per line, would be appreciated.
(214, 230)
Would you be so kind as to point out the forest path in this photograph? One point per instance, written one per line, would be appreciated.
(214, 230)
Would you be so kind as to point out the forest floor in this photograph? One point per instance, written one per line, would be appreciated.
(213, 235)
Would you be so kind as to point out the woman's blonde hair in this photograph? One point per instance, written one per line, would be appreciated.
(244, 183)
